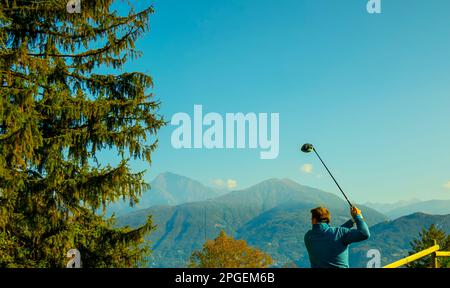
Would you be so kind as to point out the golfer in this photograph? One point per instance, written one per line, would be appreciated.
(328, 246)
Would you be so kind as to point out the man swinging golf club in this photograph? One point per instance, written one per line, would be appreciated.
(328, 246)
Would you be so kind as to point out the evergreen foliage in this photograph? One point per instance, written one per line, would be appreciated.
(425, 241)
(56, 113)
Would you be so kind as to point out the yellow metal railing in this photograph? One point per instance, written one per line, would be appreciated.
(434, 250)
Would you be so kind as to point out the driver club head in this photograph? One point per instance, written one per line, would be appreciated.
(307, 148)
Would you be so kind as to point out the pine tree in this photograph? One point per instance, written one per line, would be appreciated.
(425, 241)
(56, 113)
(226, 252)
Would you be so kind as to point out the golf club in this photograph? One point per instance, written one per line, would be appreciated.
(307, 148)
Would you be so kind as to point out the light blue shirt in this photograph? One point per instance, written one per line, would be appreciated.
(328, 246)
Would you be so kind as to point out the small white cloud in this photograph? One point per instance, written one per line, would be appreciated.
(307, 168)
(231, 183)
(447, 185)
(218, 182)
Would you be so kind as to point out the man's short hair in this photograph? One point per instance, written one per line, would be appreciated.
(321, 214)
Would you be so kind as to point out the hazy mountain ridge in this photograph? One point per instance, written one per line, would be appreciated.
(434, 207)
(403, 208)
(386, 207)
(168, 189)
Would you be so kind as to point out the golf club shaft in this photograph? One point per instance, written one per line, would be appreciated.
(333, 178)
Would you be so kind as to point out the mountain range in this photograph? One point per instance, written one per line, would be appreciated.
(273, 215)
(168, 189)
(403, 208)
(385, 208)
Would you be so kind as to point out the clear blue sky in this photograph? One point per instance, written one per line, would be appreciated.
(372, 92)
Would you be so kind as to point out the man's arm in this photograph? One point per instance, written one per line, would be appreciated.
(360, 233)
(348, 224)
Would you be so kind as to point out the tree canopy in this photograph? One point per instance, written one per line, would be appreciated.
(57, 112)
(426, 240)
(226, 252)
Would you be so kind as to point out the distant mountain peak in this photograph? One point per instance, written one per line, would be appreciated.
(168, 175)
(169, 188)
(276, 182)
(417, 215)
(291, 182)
(165, 179)
(402, 208)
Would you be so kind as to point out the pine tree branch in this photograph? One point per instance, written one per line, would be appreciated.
(88, 53)
(24, 77)
(125, 21)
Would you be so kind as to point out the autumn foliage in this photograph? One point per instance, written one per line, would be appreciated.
(226, 252)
